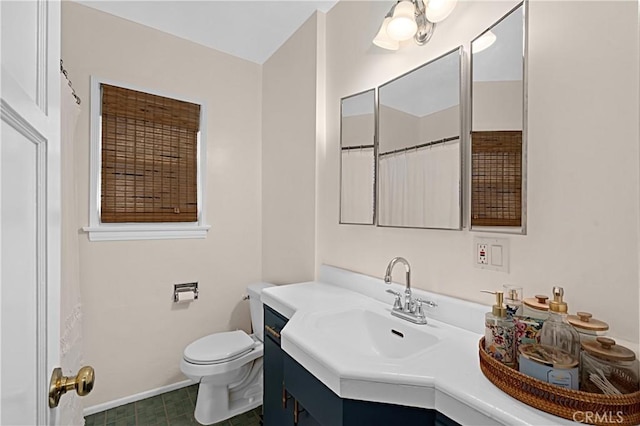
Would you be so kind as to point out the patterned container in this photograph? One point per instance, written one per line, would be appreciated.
(499, 333)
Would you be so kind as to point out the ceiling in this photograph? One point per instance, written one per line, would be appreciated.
(249, 29)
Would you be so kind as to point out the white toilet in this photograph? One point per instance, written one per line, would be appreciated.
(228, 367)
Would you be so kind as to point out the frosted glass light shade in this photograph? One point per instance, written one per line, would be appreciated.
(383, 40)
(402, 25)
(438, 10)
(484, 41)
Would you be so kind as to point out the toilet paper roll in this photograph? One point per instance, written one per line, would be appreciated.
(186, 296)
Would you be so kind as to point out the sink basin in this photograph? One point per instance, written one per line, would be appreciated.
(374, 334)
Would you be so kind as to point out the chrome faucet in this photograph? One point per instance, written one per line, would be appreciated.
(407, 290)
(411, 310)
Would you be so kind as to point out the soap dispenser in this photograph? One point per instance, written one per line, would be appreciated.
(556, 330)
(513, 300)
(499, 332)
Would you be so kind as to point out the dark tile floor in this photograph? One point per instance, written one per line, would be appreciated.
(169, 409)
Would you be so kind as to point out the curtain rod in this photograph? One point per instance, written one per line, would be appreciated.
(348, 148)
(73, 91)
(422, 145)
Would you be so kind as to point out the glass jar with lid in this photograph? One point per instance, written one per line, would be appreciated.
(608, 368)
(588, 327)
(536, 307)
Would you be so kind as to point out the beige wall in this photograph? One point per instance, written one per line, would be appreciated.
(496, 105)
(358, 130)
(404, 130)
(288, 158)
(397, 129)
(583, 158)
(440, 125)
(133, 334)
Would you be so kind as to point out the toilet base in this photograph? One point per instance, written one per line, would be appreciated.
(216, 403)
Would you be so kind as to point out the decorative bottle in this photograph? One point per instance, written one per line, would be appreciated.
(513, 300)
(556, 330)
(499, 332)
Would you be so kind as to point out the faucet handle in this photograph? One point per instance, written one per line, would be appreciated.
(429, 303)
(397, 304)
(418, 312)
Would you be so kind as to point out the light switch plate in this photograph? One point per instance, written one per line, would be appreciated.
(491, 253)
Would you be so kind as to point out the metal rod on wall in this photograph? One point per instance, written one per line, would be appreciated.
(422, 145)
(348, 148)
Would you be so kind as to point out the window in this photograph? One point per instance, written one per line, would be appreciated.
(147, 167)
(496, 178)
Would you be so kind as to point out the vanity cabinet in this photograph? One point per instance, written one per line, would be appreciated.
(293, 396)
(276, 406)
(329, 409)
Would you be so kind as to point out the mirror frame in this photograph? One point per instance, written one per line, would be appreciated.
(462, 90)
(375, 159)
(522, 229)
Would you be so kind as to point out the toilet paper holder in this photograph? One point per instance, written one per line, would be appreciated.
(183, 288)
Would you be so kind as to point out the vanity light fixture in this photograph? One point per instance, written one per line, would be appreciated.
(412, 18)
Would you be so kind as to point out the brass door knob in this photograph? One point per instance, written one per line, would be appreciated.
(59, 384)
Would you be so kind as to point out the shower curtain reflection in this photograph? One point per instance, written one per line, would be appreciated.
(420, 188)
(356, 197)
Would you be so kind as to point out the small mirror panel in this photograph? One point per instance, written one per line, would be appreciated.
(419, 160)
(357, 161)
(498, 139)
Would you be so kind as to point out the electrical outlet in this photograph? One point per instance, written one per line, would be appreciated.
(481, 252)
(491, 254)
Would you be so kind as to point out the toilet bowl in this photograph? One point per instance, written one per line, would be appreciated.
(228, 367)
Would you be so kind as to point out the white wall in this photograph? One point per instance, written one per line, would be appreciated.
(134, 335)
(288, 158)
(583, 157)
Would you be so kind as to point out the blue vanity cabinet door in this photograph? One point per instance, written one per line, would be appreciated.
(442, 420)
(373, 413)
(319, 402)
(305, 418)
(328, 409)
(272, 402)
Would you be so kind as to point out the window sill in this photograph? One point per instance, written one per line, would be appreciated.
(128, 232)
(518, 230)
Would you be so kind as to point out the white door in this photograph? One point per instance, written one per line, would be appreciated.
(29, 209)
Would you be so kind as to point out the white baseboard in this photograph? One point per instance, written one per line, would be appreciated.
(137, 397)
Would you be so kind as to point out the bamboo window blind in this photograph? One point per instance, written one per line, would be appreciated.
(496, 178)
(149, 157)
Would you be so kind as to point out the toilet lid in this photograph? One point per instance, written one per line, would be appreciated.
(218, 347)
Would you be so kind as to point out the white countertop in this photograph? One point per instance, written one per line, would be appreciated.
(446, 377)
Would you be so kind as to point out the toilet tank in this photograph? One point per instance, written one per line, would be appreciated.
(255, 305)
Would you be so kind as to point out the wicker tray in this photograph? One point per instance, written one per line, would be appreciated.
(583, 407)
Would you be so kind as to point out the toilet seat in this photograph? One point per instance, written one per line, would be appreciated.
(219, 348)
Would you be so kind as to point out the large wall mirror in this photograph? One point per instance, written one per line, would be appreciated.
(419, 136)
(498, 124)
(357, 163)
